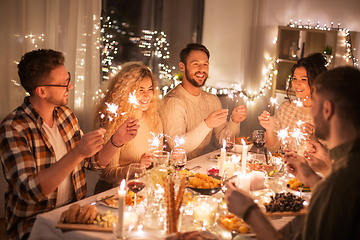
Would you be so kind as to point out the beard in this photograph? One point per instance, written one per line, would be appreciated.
(57, 101)
(322, 128)
(192, 80)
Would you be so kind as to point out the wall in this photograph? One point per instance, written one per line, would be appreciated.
(240, 33)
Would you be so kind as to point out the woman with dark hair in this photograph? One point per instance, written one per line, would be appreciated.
(294, 115)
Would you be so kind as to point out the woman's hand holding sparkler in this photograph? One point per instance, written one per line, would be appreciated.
(146, 159)
(308, 130)
(266, 121)
(126, 132)
(239, 114)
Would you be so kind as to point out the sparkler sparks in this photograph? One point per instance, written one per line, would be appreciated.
(133, 99)
(112, 107)
(179, 141)
(298, 135)
(283, 134)
(273, 102)
(298, 103)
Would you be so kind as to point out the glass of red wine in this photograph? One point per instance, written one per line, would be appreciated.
(135, 179)
(227, 138)
(178, 158)
(258, 139)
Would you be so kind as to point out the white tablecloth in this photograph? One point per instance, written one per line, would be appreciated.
(44, 227)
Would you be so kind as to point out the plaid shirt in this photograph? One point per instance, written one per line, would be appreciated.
(26, 150)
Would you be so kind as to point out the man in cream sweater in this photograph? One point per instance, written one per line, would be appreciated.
(190, 113)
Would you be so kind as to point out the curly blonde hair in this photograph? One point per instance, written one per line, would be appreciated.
(125, 82)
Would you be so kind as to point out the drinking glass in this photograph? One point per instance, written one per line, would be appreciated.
(135, 179)
(161, 158)
(258, 138)
(229, 137)
(178, 158)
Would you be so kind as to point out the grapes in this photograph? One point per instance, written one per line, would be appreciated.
(284, 202)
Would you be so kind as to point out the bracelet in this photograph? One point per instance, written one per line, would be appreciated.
(248, 210)
(114, 144)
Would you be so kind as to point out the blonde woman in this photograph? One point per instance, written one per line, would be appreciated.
(134, 79)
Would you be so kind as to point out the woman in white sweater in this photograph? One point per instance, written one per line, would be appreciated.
(134, 92)
(293, 112)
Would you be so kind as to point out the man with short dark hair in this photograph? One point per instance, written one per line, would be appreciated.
(43, 150)
(190, 113)
(333, 212)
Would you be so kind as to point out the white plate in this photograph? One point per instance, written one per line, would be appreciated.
(239, 148)
(305, 195)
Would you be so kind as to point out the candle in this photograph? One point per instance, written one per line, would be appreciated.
(257, 180)
(244, 157)
(243, 181)
(121, 204)
(222, 159)
(205, 210)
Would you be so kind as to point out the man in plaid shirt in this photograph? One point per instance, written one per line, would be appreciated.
(43, 151)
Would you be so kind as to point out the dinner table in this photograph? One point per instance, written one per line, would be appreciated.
(45, 224)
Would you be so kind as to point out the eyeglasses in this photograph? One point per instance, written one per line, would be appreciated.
(66, 86)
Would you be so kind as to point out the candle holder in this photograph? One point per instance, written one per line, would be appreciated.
(131, 220)
(204, 211)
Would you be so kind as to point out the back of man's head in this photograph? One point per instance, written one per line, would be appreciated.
(341, 86)
(36, 65)
(192, 47)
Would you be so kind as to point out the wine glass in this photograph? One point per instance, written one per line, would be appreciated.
(161, 158)
(178, 158)
(258, 138)
(227, 138)
(135, 179)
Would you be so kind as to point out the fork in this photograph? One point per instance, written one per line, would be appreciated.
(103, 199)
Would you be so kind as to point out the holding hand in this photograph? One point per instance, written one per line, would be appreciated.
(126, 132)
(237, 200)
(239, 114)
(298, 166)
(266, 121)
(317, 157)
(146, 160)
(216, 118)
(90, 143)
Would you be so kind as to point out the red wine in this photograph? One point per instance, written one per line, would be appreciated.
(259, 144)
(229, 146)
(179, 166)
(136, 186)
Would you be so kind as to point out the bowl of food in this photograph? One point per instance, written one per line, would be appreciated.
(239, 144)
(204, 184)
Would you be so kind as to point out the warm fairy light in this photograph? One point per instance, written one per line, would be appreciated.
(133, 99)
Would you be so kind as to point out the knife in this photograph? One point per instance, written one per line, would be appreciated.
(103, 199)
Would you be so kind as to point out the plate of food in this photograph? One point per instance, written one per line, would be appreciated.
(231, 223)
(204, 184)
(294, 186)
(216, 157)
(113, 201)
(285, 204)
(239, 144)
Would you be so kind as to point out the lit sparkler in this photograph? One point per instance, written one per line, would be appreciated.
(298, 103)
(283, 134)
(155, 141)
(133, 99)
(179, 141)
(298, 135)
(273, 102)
(112, 108)
(231, 96)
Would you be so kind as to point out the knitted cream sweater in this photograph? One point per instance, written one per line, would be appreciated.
(183, 115)
(131, 152)
(288, 115)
